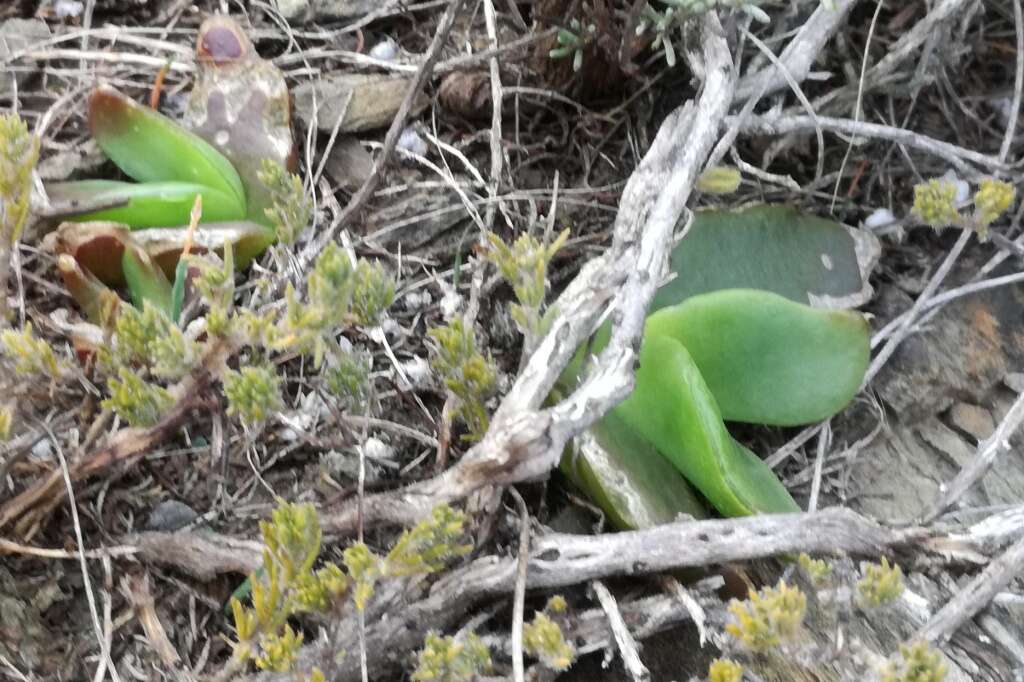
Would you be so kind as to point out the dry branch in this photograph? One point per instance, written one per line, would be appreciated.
(559, 560)
(122, 448)
(956, 155)
(525, 442)
(800, 53)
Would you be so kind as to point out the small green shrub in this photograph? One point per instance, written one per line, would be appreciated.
(768, 618)
(445, 659)
(916, 663)
(466, 372)
(882, 584)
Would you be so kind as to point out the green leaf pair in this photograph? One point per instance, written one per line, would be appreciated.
(736, 354)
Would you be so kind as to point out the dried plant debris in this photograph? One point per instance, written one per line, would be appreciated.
(305, 381)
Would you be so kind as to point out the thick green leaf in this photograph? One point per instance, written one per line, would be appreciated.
(146, 281)
(181, 273)
(766, 359)
(150, 204)
(673, 409)
(775, 248)
(149, 147)
(628, 478)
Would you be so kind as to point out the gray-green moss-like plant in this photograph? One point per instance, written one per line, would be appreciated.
(768, 618)
(935, 204)
(882, 584)
(253, 393)
(470, 375)
(19, 152)
(543, 637)
(30, 354)
(6, 422)
(287, 584)
(291, 210)
(524, 265)
(447, 659)
(725, 670)
(917, 662)
(817, 570)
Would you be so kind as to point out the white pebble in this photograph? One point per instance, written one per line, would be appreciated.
(450, 304)
(963, 188)
(411, 141)
(417, 300)
(374, 448)
(43, 450)
(417, 370)
(879, 217)
(1004, 107)
(386, 50)
(65, 9)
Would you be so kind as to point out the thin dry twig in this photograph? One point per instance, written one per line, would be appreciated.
(988, 451)
(801, 52)
(623, 639)
(519, 596)
(359, 199)
(780, 124)
(975, 596)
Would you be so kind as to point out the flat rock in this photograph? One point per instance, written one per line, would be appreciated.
(362, 101)
(968, 348)
(973, 419)
(301, 11)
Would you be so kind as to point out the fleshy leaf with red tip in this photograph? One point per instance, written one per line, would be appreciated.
(149, 147)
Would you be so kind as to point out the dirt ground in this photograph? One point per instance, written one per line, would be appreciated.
(120, 547)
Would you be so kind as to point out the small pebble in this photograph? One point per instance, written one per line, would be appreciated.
(417, 300)
(450, 304)
(68, 9)
(1004, 107)
(43, 450)
(170, 515)
(417, 370)
(411, 141)
(374, 448)
(386, 50)
(879, 217)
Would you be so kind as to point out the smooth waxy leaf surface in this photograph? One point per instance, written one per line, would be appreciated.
(149, 204)
(627, 478)
(149, 147)
(766, 359)
(673, 409)
(146, 281)
(774, 248)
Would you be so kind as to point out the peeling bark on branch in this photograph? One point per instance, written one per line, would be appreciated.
(525, 442)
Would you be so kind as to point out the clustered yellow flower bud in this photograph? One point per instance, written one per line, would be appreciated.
(935, 203)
